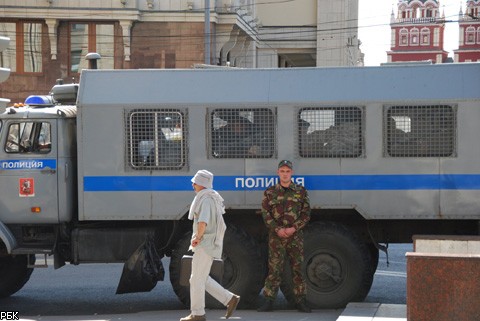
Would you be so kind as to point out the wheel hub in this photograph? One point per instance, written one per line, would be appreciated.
(324, 271)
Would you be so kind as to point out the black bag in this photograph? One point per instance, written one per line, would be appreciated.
(216, 271)
(142, 270)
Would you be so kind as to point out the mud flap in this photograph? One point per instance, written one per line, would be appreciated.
(142, 270)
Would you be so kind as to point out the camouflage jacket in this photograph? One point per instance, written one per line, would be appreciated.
(285, 207)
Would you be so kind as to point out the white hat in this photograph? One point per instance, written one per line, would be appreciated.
(203, 178)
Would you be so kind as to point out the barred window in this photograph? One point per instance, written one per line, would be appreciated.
(242, 133)
(156, 139)
(419, 131)
(330, 132)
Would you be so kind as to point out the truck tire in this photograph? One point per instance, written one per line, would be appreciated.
(14, 273)
(244, 268)
(337, 267)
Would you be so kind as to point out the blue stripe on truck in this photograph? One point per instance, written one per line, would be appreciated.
(311, 182)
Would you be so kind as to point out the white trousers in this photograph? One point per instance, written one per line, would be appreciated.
(200, 281)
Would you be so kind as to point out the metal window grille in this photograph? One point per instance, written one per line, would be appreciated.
(242, 133)
(330, 132)
(156, 139)
(419, 131)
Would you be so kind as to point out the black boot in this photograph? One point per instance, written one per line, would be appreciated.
(266, 307)
(303, 307)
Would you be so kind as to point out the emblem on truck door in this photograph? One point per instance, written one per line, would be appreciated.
(26, 187)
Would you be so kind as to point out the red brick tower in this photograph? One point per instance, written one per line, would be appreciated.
(417, 32)
(469, 33)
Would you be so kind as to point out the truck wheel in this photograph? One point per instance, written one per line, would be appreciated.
(337, 267)
(14, 273)
(244, 268)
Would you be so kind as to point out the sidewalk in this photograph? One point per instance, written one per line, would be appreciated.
(374, 312)
(353, 312)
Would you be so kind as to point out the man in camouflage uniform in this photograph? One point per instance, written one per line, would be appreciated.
(285, 211)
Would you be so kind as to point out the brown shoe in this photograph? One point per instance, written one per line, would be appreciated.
(232, 305)
(192, 317)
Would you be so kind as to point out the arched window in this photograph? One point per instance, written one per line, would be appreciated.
(478, 35)
(470, 36)
(425, 36)
(430, 11)
(416, 12)
(403, 39)
(402, 12)
(414, 34)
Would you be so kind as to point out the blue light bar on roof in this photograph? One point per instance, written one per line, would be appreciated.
(38, 100)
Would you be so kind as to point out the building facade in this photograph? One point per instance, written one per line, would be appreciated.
(417, 32)
(305, 33)
(469, 33)
(50, 38)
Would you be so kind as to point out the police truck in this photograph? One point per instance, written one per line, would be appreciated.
(93, 169)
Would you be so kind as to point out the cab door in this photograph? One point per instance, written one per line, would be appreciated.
(28, 170)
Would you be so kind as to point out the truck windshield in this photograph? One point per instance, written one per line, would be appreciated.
(28, 137)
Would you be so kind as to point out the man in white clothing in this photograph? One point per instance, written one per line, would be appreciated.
(207, 243)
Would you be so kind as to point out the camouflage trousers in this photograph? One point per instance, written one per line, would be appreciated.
(279, 250)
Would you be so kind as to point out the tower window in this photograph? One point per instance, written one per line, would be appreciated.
(416, 12)
(414, 37)
(425, 36)
(470, 36)
(403, 37)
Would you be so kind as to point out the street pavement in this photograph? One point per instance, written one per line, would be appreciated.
(353, 312)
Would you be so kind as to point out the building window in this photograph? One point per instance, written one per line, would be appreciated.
(242, 133)
(29, 137)
(416, 12)
(156, 139)
(91, 37)
(414, 37)
(404, 37)
(419, 131)
(472, 12)
(24, 53)
(470, 36)
(330, 132)
(478, 35)
(425, 34)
